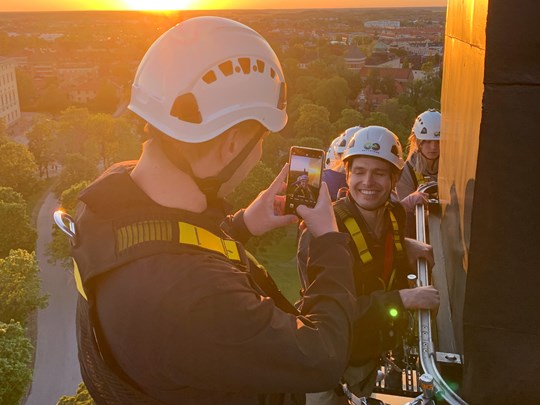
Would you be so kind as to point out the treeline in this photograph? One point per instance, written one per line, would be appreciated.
(20, 293)
(65, 152)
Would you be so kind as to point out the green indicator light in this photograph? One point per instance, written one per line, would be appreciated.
(393, 312)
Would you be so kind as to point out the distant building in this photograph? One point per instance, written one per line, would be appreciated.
(81, 93)
(382, 24)
(77, 71)
(383, 60)
(50, 37)
(380, 47)
(354, 59)
(10, 109)
(400, 75)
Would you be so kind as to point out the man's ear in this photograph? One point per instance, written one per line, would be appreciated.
(395, 174)
(230, 145)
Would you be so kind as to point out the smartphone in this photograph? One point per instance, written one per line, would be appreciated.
(304, 177)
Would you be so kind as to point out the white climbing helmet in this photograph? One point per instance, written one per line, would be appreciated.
(331, 155)
(205, 75)
(344, 139)
(377, 142)
(427, 126)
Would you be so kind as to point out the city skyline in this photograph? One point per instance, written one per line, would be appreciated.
(69, 5)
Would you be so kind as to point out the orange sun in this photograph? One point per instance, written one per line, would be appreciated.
(158, 4)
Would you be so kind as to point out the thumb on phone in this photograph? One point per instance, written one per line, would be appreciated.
(319, 219)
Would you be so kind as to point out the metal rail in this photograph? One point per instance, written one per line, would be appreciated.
(426, 347)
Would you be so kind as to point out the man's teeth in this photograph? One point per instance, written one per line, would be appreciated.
(368, 192)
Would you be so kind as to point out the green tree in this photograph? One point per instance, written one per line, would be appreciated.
(349, 118)
(15, 356)
(313, 121)
(333, 94)
(3, 132)
(275, 151)
(18, 168)
(82, 397)
(106, 98)
(77, 168)
(8, 195)
(305, 85)
(398, 113)
(41, 140)
(258, 179)
(73, 133)
(353, 80)
(292, 73)
(374, 80)
(378, 118)
(310, 142)
(15, 229)
(388, 86)
(19, 286)
(113, 139)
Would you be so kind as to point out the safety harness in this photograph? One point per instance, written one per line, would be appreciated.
(392, 241)
(360, 378)
(418, 178)
(135, 239)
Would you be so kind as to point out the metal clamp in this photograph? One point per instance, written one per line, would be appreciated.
(66, 224)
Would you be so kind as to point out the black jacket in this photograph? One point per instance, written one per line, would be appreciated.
(191, 327)
(375, 331)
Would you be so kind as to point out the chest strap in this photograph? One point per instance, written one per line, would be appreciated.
(141, 233)
(358, 237)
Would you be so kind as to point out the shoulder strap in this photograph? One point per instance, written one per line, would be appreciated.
(418, 178)
(395, 229)
(400, 252)
(265, 281)
(146, 237)
(341, 210)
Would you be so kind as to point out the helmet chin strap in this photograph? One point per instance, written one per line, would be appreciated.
(210, 186)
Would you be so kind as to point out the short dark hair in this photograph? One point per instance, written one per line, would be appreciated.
(188, 149)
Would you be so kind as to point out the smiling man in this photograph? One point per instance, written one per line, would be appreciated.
(373, 163)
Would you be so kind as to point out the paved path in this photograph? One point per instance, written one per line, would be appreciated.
(56, 369)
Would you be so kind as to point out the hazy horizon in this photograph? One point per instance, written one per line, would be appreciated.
(200, 5)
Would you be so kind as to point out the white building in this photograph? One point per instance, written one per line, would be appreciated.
(382, 24)
(10, 110)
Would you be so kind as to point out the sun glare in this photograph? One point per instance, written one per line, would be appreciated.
(157, 5)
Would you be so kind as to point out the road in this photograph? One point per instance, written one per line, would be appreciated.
(56, 369)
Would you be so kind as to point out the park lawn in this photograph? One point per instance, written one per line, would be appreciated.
(279, 259)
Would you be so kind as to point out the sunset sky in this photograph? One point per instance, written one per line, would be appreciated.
(54, 5)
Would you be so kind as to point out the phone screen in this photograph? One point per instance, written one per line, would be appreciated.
(304, 179)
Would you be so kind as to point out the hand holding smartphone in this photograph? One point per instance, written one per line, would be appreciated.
(304, 177)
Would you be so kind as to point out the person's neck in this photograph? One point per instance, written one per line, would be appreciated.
(432, 166)
(374, 219)
(165, 184)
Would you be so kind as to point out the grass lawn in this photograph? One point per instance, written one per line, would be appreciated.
(279, 259)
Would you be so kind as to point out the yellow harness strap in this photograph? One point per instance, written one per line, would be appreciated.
(196, 236)
(420, 179)
(397, 240)
(78, 280)
(147, 231)
(359, 240)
